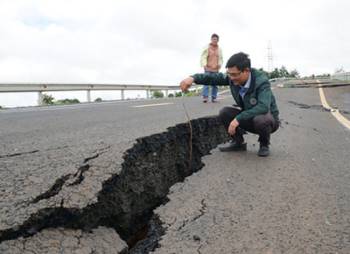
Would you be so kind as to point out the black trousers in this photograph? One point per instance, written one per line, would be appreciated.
(263, 125)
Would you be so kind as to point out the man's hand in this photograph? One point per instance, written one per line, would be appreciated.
(232, 127)
(186, 83)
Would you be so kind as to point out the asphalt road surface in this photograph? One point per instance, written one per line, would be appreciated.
(295, 201)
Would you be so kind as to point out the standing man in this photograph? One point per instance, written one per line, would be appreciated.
(256, 109)
(211, 61)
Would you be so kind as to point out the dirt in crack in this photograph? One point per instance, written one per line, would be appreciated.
(127, 200)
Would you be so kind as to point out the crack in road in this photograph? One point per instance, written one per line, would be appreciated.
(128, 198)
(53, 191)
(59, 183)
(297, 125)
(202, 210)
(80, 174)
(201, 213)
(305, 106)
(315, 85)
(18, 154)
(29, 152)
(317, 107)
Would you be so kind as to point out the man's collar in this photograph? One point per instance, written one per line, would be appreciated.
(247, 84)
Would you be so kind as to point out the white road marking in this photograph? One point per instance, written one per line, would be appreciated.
(152, 105)
(224, 91)
(335, 112)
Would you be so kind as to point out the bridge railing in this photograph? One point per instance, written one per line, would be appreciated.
(342, 76)
(53, 87)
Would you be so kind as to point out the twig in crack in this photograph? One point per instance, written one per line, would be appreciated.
(190, 140)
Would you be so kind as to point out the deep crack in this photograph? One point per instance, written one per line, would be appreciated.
(127, 199)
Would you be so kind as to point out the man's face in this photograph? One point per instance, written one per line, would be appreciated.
(214, 41)
(238, 77)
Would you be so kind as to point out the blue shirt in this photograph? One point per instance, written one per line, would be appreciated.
(243, 89)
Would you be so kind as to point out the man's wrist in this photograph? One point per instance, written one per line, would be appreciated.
(193, 78)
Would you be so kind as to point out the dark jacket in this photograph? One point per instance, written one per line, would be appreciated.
(258, 100)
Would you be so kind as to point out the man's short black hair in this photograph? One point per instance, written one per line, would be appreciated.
(240, 60)
(214, 36)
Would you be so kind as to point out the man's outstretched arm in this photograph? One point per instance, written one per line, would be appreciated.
(217, 79)
(186, 84)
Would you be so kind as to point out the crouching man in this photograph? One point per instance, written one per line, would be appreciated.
(255, 110)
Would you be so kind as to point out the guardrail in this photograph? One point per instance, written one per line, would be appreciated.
(52, 87)
(341, 76)
(280, 79)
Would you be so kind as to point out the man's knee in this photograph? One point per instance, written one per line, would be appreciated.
(228, 114)
(223, 112)
(263, 121)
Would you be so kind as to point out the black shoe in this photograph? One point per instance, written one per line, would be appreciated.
(233, 146)
(264, 151)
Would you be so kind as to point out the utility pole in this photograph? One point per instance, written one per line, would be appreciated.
(269, 57)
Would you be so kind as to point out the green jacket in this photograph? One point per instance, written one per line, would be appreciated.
(258, 100)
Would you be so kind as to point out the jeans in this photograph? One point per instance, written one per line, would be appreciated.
(214, 89)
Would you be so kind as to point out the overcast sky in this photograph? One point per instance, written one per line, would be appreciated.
(160, 41)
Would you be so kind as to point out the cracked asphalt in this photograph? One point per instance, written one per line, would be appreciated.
(45, 151)
(339, 97)
(60, 240)
(295, 201)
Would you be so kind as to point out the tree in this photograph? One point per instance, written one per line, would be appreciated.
(294, 74)
(48, 99)
(274, 74)
(284, 72)
(157, 94)
(265, 72)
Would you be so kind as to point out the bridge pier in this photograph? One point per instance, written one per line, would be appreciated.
(122, 94)
(88, 95)
(40, 98)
